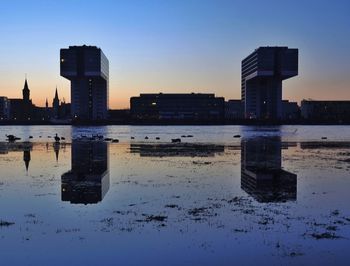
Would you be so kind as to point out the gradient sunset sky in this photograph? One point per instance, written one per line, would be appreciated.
(174, 45)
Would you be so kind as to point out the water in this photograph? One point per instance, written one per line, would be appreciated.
(210, 200)
(210, 134)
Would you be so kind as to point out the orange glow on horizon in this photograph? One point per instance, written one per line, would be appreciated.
(295, 89)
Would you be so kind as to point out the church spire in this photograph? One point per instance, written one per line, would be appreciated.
(56, 94)
(26, 91)
(56, 105)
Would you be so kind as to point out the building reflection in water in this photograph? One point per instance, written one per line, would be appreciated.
(26, 157)
(262, 175)
(88, 180)
(56, 149)
(25, 147)
(177, 150)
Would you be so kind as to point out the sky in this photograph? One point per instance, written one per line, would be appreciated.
(174, 45)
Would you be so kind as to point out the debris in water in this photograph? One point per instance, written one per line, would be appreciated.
(5, 223)
(325, 235)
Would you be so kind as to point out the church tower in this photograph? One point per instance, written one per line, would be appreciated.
(56, 105)
(26, 102)
(26, 92)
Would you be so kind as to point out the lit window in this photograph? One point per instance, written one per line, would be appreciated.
(62, 60)
(154, 103)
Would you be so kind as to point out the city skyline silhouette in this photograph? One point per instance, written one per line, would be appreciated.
(155, 47)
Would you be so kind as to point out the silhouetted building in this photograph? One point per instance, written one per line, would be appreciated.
(88, 180)
(60, 109)
(325, 111)
(16, 109)
(40, 114)
(65, 110)
(290, 110)
(27, 102)
(233, 110)
(172, 106)
(262, 74)
(4, 108)
(22, 109)
(262, 175)
(47, 110)
(56, 106)
(88, 70)
(122, 115)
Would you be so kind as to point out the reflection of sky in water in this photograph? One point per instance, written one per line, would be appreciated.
(206, 203)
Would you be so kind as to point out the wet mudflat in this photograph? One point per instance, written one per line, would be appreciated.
(271, 197)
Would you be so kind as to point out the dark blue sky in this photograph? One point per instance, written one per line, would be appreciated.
(174, 45)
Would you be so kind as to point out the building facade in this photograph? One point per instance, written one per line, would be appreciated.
(88, 70)
(290, 110)
(233, 110)
(4, 108)
(191, 106)
(262, 74)
(325, 111)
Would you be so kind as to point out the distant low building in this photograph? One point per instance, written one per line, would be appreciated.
(325, 111)
(173, 106)
(290, 110)
(234, 110)
(4, 108)
(121, 115)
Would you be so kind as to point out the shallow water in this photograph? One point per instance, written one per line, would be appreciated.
(206, 134)
(277, 196)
